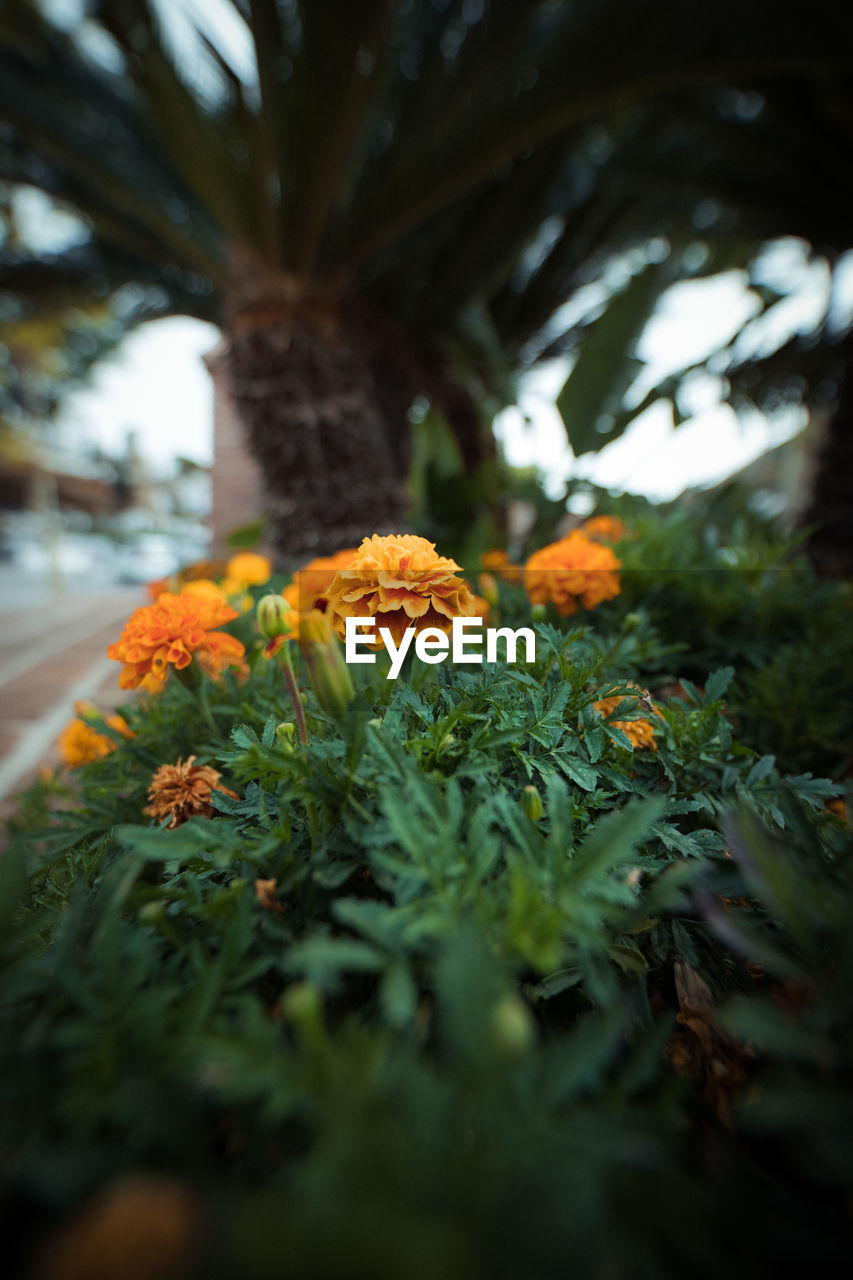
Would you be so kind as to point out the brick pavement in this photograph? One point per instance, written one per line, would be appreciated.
(51, 654)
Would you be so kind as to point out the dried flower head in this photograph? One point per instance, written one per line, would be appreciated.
(172, 632)
(265, 894)
(182, 791)
(641, 732)
(573, 569)
(605, 528)
(401, 580)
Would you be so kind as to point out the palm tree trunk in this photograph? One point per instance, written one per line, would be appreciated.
(323, 393)
(830, 509)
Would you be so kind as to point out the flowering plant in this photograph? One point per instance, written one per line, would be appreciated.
(570, 571)
(401, 577)
(172, 632)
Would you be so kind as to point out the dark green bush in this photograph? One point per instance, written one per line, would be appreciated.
(450, 1039)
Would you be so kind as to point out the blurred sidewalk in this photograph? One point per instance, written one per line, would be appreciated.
(53, 652)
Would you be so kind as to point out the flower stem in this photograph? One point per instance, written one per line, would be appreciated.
(193, 681)
(293, 690)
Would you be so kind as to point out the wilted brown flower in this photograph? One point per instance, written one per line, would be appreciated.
(703, 1048)
(182, 791)
(265, 894)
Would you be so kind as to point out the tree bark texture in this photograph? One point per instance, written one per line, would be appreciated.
(830, 510)
(323, 396)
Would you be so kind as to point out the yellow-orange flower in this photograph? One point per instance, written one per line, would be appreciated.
(573, 569)
(499, 563)
(155, 589)
(203, 587)
(182, 791)
(246, 569)
(641, 732)
(839, 808)
(88, 712)
(401, 581)
(607, 528)
(80, 744)
(310, 583)
(212, 569)
(171, 633)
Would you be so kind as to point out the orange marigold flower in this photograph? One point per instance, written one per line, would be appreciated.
(88, 712)
(172, 632)
(607, 528)
(203, 587)
(575, 568)
(839, 808)
(400, 578)
(310, 583)
(246, 569)
(121, 726)
(80, 744)
(499, 563)
(182, 791)
(641, 732)
(155, 589)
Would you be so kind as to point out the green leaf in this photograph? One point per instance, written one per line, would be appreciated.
(590, 402)
(717, 683)
(613, 838)
(248, 536)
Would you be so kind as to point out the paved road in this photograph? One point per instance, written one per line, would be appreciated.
(52, 653)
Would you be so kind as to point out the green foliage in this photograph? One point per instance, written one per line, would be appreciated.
(389, 1018)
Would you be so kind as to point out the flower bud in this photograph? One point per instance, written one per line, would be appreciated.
(328, 672)
(152, 912)
(632, 621)
(302, 1006)
(531, 803)
(537, 613)
(273, 616)
(284, 735)
(487, 586)
(512, 1027)
(87, 711)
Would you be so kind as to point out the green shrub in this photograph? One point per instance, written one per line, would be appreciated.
(389, 1013)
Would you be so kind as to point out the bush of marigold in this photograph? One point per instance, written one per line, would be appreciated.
(490, 971)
